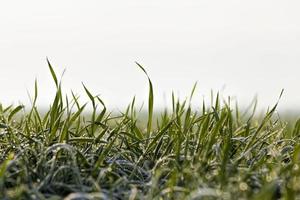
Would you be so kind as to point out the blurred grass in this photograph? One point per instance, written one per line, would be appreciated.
(217, 152)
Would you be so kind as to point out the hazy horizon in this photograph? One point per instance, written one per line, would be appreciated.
(238, 47)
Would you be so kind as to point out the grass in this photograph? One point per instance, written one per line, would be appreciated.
(216, 152)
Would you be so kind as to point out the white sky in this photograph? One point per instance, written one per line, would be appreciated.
(250, 47)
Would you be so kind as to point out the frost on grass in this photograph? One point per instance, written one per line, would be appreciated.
(212, 153)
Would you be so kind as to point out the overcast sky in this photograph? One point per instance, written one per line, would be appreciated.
(242, 48)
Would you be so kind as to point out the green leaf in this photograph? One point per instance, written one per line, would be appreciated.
(150, 102)
(14, 111)
(52, 73)
(90, 96)
(193, 91)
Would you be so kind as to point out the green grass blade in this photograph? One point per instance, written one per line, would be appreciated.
(52, 73)
(150, 102)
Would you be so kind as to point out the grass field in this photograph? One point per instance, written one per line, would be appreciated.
(217, 152)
